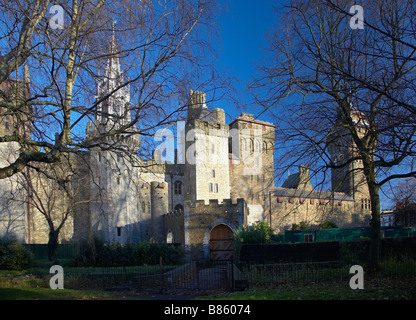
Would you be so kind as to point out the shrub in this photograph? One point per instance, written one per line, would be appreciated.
(14, 255)
(303, 225)
(258, 233)
(98, 253)
(328, 224)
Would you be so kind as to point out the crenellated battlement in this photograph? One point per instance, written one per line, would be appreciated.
(173, 214)
(214, 203)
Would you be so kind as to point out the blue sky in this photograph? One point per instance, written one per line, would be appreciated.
(243, 25)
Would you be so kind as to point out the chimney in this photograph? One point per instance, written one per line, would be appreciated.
(304, 178)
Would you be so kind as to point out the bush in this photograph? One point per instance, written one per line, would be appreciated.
(98, 253)
(328, 224)
(14, 256)
(303, 225)
(258, 233)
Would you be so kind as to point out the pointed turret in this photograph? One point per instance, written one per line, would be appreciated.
(114, 109)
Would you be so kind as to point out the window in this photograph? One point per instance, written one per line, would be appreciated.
(118, 231)
(257, 145)
(216, 187)
(308, 237)
(169, 237)
(213, 173)
(178, 187)
(210, 187)
(179, 208)
(6, 122)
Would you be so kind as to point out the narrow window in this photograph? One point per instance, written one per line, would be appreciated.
(308, 237)
(210, 187)
(213, 173)
(6, 123)
(118, 231)
(216, 187)
(178, 187)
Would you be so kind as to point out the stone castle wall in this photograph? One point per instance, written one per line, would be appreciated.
(192, 227)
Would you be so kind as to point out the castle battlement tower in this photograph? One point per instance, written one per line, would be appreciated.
(347, 176)
(206, 167)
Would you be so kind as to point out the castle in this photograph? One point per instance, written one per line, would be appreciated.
(221, 179)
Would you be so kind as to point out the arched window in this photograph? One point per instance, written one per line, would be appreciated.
(257, 145)
(178, 187)
(244, 141)
(179, 207)
(169, 237)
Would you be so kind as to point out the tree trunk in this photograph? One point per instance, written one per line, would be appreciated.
(52, 244)
(374, 254)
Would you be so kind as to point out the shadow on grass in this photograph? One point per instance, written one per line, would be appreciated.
(49, 294)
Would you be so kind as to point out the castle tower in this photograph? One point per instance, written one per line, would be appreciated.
(114, 110)
(206, 163)
(348, 177)
(159, 207)
(15, 219)
(251, 156)
(114, 184)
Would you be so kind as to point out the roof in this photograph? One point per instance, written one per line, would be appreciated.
(246, 117)
(314, 194)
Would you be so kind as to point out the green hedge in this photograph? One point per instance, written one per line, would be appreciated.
(14, 255)
(96, 252)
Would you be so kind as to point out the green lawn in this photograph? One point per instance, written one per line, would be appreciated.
(24, 285)
(398, 288)
(64, 294)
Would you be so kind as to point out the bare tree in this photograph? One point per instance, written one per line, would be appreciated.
(55, 191)
(333, 86)
(160, 45)
(404, 194)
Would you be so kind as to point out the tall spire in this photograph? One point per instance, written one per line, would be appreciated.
(115, 109)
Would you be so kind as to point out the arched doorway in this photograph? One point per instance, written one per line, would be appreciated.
(169, 237)
(221, 243)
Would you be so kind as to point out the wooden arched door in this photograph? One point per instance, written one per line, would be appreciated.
(221, 244)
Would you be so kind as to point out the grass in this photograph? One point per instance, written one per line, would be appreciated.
(65, 294)
(396, 282)
(393, 288)
(18, 285)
